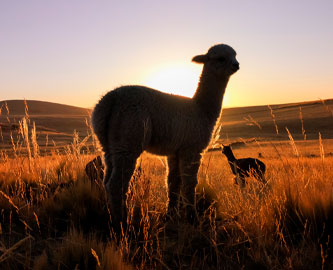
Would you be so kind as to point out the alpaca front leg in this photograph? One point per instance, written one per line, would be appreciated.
(189, 166)
(174, 183)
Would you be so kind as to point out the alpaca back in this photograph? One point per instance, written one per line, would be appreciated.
(247, 166)
(170, 122)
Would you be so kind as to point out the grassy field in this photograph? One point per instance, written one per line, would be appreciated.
(53, 217)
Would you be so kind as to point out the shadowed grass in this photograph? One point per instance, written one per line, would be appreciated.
(79, 251)
(53, 217)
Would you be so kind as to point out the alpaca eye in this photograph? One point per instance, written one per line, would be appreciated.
(221, 58)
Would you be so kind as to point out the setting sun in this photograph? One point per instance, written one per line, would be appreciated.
(177, 78)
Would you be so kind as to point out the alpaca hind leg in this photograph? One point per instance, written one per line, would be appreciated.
(189, 164)
(174, 184)
(108, 168)
(123, 166)
(236, 180)
(241, 180)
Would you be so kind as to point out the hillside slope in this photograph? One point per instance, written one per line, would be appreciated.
(35, 107)
(258, 121)
(58, 121)
(55, 123)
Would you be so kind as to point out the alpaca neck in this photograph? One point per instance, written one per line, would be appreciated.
(230, 156)
(210, 92)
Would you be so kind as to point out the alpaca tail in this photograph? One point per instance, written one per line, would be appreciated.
(100, 118)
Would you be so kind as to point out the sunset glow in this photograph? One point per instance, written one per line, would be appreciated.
(72, 52)
(180, 79)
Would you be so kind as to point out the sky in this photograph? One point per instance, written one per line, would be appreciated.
(74, 51)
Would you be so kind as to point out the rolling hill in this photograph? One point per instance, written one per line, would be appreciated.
(40, 108)
(57, 122)
(264, 122)
(47, 115)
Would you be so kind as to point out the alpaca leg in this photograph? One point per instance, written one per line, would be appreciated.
(100, 169)
(123, 166)
(239, 180)
(189, 164)
(242, 181)
(108, 168)
(174, 184)
(236, 180)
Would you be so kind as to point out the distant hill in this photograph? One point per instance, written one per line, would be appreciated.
(57, 122)
(35, 107)
(258, 121)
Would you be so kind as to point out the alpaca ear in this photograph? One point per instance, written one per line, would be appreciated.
(200, 59)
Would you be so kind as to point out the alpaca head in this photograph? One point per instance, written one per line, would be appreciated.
(226, 149)
(219, 60)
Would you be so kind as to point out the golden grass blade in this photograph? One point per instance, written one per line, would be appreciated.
(252, 121)
(302, 123)
(274, 120)
(93, 252)
(9, 200)
(321, 148)
(24, 130)
(7, 110)
(35, 146)
(292, 143)
(26, 111)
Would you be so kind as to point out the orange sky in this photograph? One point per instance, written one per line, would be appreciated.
(73, 52)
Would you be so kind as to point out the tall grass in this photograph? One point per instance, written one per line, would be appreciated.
(53, 217)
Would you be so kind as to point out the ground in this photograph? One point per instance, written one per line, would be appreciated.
(53, 217)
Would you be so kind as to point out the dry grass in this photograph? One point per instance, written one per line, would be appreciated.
(53, 217)
(287, 225)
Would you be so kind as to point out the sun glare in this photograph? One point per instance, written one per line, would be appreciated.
(179, 79)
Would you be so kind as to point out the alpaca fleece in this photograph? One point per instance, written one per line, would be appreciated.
(132, 119)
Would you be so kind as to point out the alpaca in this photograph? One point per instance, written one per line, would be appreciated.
(95, 169)
(244, 167)
(131, 119)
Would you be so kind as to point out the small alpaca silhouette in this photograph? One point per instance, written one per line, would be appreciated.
(95, 169)
(244, 167)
